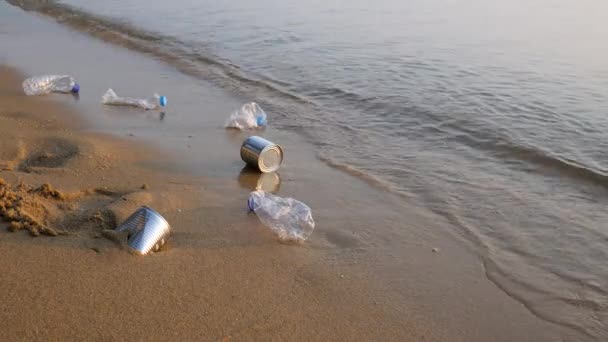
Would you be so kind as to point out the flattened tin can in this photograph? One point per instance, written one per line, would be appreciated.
(261, 154)
(148, 230)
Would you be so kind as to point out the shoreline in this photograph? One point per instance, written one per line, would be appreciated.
(367, 273)
(217, 275)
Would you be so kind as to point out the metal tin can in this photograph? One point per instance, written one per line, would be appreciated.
(261, 154)
(148, 230)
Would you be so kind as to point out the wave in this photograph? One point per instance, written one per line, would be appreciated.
(548, 161)
(585, 327)
(361, 174)
(534, 296)
(536, 158)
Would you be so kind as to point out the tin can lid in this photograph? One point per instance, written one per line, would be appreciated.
(270, 159)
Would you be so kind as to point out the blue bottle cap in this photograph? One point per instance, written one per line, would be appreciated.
(260, 120)
(163, 101)
(76, 88)
(250, 203)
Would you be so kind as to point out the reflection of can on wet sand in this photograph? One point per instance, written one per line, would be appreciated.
(252, 180)
(261, 154)
(148, 230)
(270, 182)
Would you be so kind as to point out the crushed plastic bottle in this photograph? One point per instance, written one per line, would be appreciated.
(250, 115)
(110, 98)
(290, 219)
(45, 84)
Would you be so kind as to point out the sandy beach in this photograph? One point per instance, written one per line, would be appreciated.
(79, 284)
(376, 268)
(222, 276)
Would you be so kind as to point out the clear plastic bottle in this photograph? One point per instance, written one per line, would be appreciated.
(290, 219)
(250, 115)
(110, 98)
(40, 85)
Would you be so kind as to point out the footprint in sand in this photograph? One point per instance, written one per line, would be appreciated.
(49, 153)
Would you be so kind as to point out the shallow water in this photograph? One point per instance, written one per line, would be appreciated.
(492, 116)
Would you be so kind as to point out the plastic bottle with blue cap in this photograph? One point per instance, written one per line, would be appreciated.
(110, 98)
(249, 116)
(45, 84)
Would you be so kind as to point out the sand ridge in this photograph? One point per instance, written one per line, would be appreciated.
(46, 210)
(24, 207)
